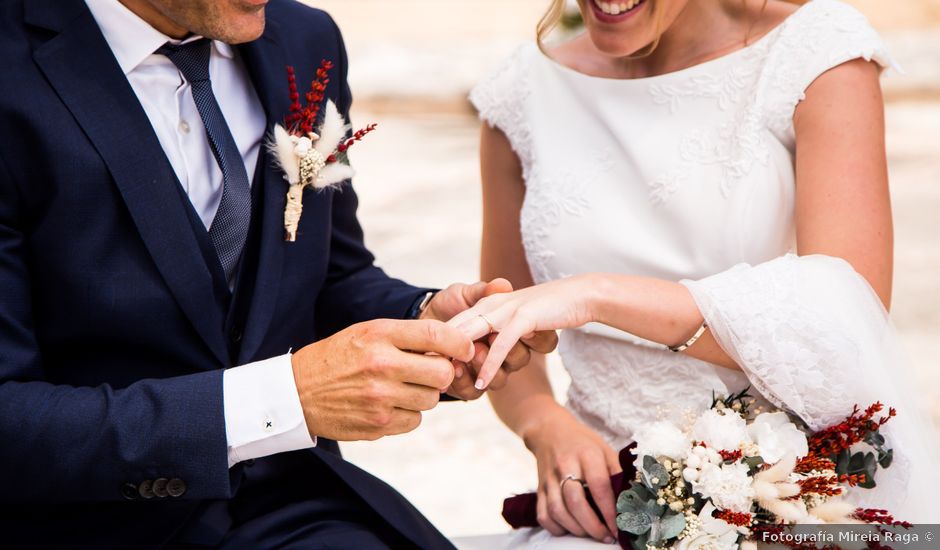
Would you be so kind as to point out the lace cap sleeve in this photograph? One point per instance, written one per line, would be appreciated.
(500, 100)
(822, 35)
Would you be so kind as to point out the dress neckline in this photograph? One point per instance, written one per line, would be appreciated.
(690, 69)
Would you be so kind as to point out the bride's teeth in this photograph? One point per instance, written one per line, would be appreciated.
(616, 8)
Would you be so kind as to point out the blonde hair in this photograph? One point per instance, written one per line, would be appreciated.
(556, 11)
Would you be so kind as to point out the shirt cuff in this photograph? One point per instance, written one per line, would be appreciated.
(263, 415)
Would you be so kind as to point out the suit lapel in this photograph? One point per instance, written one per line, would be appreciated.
(266, 62)
(81, 67)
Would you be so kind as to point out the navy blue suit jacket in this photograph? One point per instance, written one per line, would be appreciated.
(112, 338)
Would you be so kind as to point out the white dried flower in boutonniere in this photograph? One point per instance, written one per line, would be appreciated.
(311, 158)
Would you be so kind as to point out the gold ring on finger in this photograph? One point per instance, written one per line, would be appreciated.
(488, 322)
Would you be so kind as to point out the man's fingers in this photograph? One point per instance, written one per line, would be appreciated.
(499, 381)
(496, 286)
(519, 356)
(472, 294)
(432, 371)
(577, 504)
(411, 397)
(428, 336)
(544, 341)
(402, 421)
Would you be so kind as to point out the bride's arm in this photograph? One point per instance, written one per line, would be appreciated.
(530, 394)
(842, 210)
(526, 404)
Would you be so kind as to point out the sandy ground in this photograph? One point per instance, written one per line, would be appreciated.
(412, 64)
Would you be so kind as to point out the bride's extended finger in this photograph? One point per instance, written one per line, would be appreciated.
(477, 326)
(500, 348)
(484, 306)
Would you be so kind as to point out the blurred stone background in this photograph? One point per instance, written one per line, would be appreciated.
(412, 64)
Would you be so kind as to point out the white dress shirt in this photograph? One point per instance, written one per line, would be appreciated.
(262, 410)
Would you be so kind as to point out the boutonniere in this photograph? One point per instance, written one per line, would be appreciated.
(311, 157)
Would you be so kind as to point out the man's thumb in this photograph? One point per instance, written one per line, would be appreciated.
(497, 286)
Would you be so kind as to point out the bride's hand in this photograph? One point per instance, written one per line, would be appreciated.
(565, 447)
(518, 315)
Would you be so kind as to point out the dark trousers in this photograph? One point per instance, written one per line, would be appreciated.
(293, 501)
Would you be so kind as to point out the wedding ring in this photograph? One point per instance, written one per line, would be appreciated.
(571, 477)
(488, 322)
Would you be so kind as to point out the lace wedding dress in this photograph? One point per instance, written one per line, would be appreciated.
(689, 176)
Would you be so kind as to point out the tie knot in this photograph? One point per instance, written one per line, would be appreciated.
(192, 58)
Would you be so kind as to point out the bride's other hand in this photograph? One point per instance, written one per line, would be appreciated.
(564, 447)
(520, 315)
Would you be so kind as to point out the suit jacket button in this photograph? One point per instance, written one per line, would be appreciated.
(129, 491)
(159, 487)
(146, 488)
(236, 335)
(176, 487)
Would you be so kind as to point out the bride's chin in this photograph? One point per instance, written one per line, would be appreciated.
(615, 46)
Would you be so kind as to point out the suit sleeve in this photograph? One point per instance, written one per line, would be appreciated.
(60, 443)
(355, 289)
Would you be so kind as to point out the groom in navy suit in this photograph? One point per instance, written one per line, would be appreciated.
(173, 374)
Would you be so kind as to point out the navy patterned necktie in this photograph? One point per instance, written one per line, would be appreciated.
(229, 228)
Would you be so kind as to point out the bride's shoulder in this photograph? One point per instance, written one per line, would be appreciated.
(811, 40)
(820, 25)
(501, 95)
(505, 85)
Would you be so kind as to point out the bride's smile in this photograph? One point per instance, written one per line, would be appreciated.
(616, 12)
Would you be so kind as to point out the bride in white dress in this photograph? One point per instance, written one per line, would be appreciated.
(686, 164)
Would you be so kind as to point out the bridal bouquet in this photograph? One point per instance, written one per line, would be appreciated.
(733, 473)
(736, 475)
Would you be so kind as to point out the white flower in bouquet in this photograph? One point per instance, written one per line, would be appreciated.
(721, 431)
(713, 533)
(662, 439)
(777, 437)
(728, 486)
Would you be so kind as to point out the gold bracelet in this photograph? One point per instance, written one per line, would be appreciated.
(688, 343)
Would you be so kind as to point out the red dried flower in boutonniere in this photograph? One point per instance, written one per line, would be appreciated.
(308, 157)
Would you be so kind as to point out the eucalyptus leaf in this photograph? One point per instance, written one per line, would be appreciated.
(875, 439)
(639, 542)
(636, 523)
(655, 475)
(857, 463)
(842, 462)
(653, 509)
(630, 501)
(886, 458)
(641, 491)
(672, 525)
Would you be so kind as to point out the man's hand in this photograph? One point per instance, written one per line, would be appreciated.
(374, 379)
(458, 298)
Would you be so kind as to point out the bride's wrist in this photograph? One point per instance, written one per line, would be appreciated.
(596, 290)
(544, 423)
